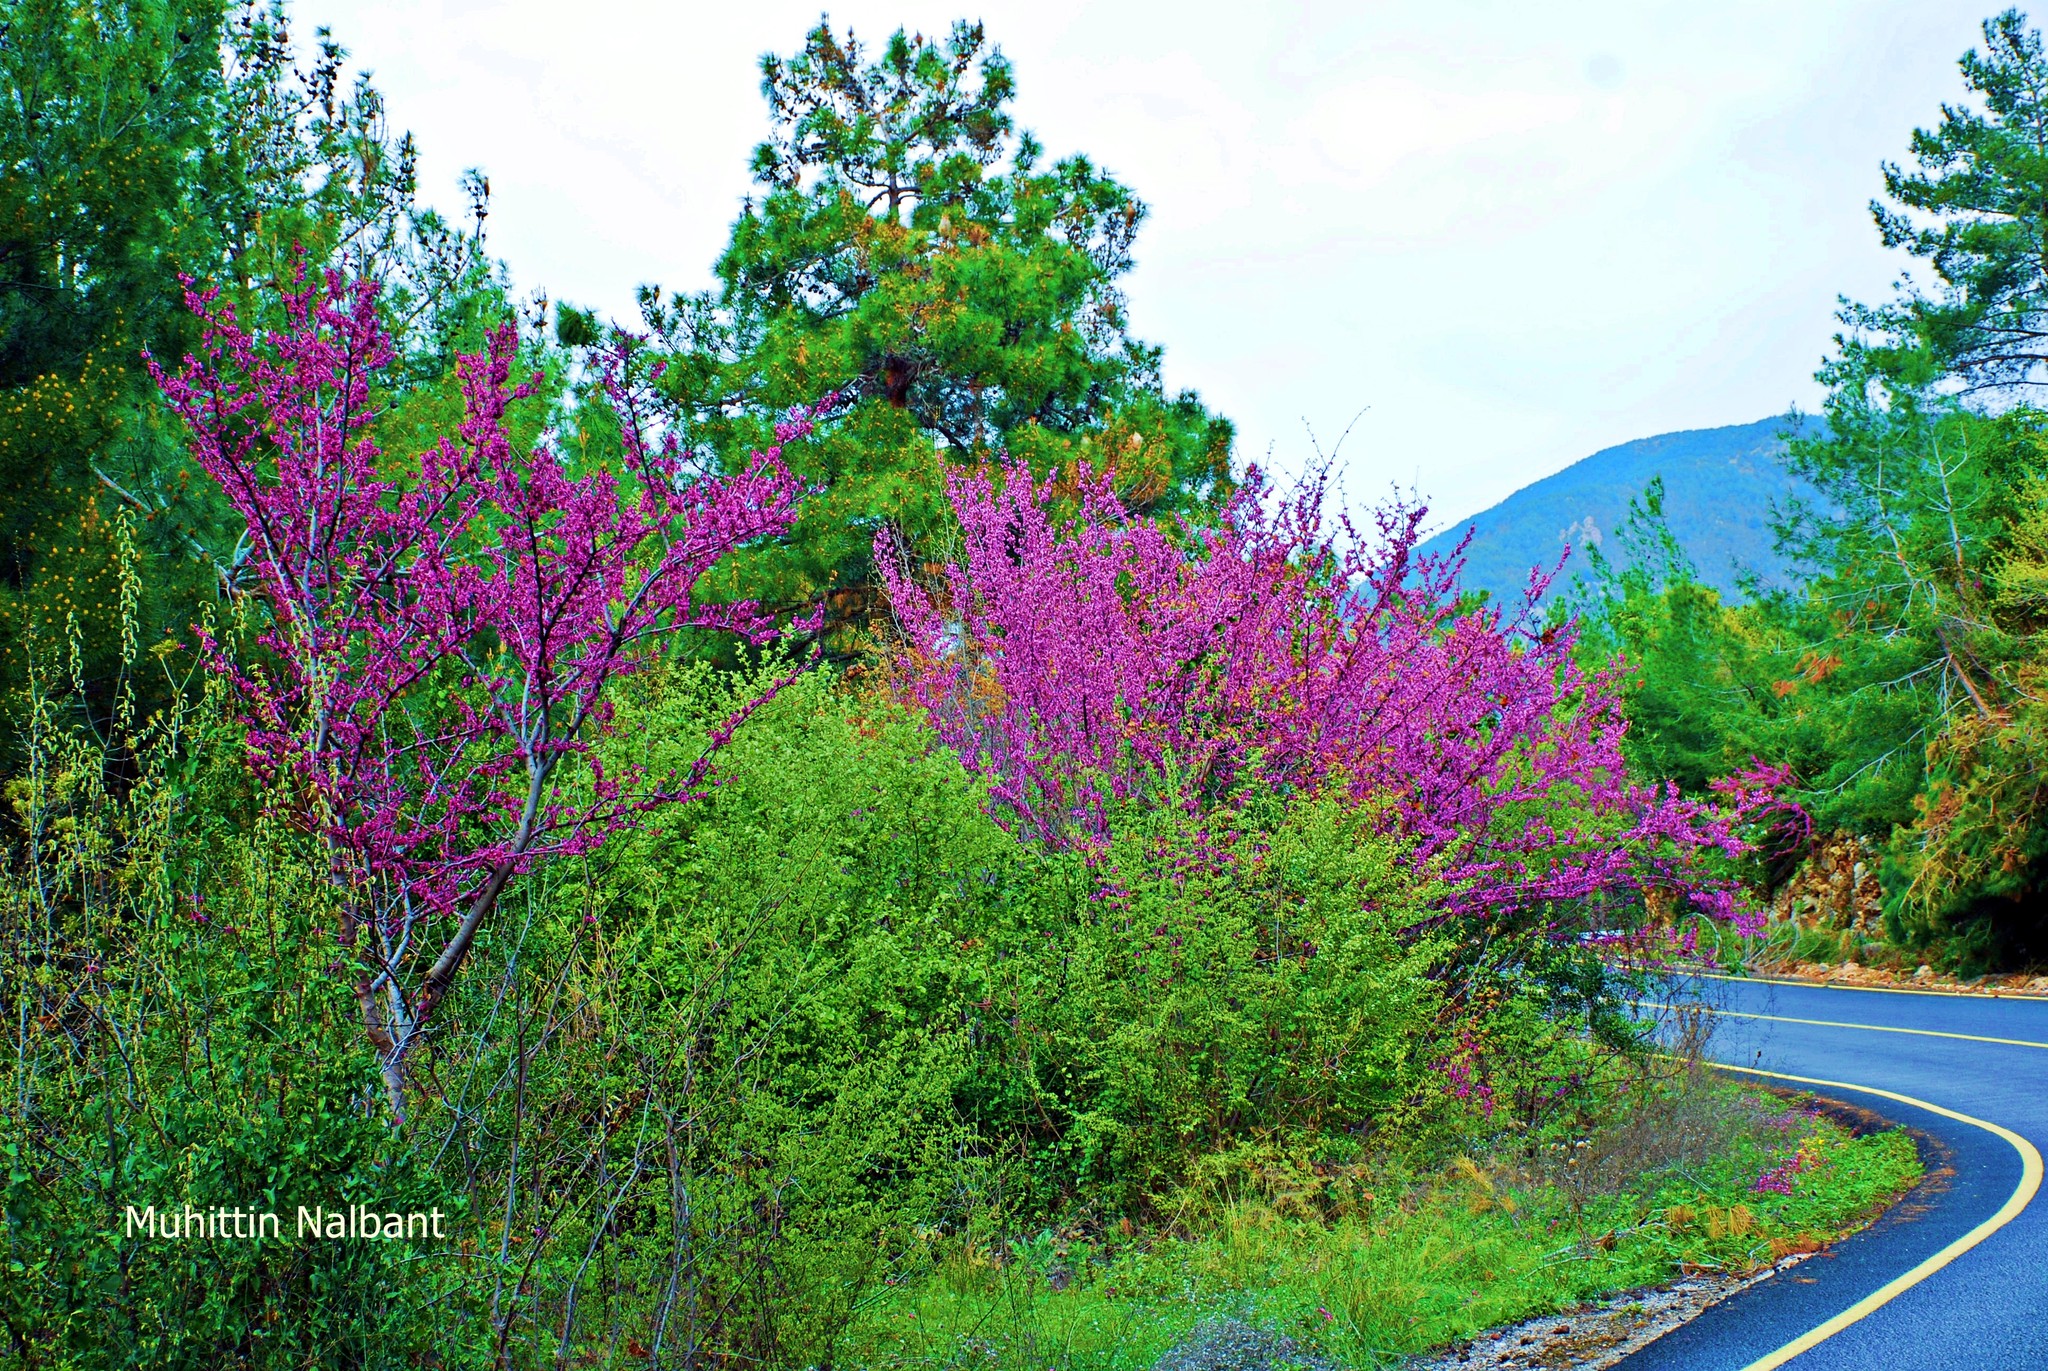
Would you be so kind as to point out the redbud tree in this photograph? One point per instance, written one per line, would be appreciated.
(434, 636)
(1089, 660)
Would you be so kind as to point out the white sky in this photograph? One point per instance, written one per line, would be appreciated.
(1513, 233)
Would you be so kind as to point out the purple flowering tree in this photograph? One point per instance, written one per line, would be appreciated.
(1080, 662)
(436, 635)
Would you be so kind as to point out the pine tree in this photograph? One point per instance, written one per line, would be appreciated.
(912, 252)
(1974, 207)
(1904, 680)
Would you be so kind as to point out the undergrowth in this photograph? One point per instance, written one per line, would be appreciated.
(828, 1069)
(1407, 1259)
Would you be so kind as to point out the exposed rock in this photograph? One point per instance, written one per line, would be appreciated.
(1850, 973)
(1835, 888)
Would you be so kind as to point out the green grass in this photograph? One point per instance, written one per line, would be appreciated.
(1418, 1262)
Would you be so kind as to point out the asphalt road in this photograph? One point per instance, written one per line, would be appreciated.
(1984, 1310)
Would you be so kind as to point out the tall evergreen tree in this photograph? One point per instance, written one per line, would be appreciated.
(1933, 462)
(913, 252)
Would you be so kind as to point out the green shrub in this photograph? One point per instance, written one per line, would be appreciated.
(176, 1038)
(1206, 985)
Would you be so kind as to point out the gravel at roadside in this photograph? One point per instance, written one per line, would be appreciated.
(1597, 1335)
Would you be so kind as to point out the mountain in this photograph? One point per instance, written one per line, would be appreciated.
(1719, 485)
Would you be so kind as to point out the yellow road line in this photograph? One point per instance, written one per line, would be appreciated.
(2033, 996)
(1868, 1027)
(2030, 1183)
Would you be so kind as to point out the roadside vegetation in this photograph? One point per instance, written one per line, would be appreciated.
(835, 827)
(828, 1065)
(1368, 1268)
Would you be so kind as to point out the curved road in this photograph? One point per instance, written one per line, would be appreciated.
(1983, 1309)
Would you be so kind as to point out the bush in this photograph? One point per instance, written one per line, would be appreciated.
(776, 980)
(1239, 980)
(177, 1039)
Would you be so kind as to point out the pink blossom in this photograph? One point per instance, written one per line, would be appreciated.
(1099, 660)
(437, 635)
(1781, 1179)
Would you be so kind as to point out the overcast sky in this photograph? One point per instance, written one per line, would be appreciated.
(1511, 233)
